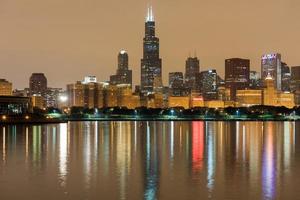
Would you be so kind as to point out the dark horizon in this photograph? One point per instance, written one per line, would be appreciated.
(56, 37)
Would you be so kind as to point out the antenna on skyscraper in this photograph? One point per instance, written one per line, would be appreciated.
(150, 16)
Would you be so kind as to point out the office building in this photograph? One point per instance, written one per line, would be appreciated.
(38, 84)
(249, 97)
(5, 88)
(271, 66)
(295, 83)
(274, 97)
(151, 64)
(123, 74)
(255, 80)
(237, 75)
(12, 105)
(87, 93)
(179, 101)
(176, 84)
(37, 101)
(207, 83)
(285, 77)
(192, 69)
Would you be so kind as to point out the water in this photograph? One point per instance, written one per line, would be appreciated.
(151, 160)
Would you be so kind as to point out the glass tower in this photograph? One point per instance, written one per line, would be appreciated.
(151, 68)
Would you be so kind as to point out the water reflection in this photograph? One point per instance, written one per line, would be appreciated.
(151, 160)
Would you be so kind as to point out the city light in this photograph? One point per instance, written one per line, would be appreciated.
(63, 98)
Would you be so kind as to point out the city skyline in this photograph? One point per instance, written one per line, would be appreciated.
(44, 54)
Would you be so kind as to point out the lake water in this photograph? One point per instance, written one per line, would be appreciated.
(150, 160)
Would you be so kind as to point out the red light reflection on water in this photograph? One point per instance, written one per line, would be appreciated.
(197, 146)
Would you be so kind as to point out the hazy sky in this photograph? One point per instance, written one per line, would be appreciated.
(68, 39)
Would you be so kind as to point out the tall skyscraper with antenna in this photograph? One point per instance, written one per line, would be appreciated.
(151, 64)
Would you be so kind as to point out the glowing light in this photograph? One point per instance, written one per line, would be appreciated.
(150, 16)
(122, 52)
(63, 98)
(4, 117)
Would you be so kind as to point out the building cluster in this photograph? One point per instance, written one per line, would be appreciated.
(276, 85)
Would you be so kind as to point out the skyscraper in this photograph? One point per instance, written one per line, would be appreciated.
(192, 69)
(237, 74)
(208, 84)
(285, 77)
(151, 64)
(271, 65)
(175, 79)
(255, 81)
(38, 84)
(295, 83)
(123, 75)
(176, 84)
(295, 78)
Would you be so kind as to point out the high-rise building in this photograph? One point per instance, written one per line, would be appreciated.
(208, 84)
(87, 93)
(151, 64)
(192, 69)
(123, 75)
(295, 83)
(271, 65)
(5, 88)
(285, 77)
(237, 75)
(295, 78)
(52, 97)
(176, 84)
(175, 79)
(38, 84)
(255, 80)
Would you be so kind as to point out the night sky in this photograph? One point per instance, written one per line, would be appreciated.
(68, 39)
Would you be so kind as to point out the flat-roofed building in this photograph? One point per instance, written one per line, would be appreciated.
(286, 99)
(196, 101)
(183, 101)
(12, 105)
(214, 104)
(5, 88)
(37, 101)
(246, 98)
(85, 94)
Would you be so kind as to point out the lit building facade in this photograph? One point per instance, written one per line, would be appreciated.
(273, 97)
(37, 101)
(179, 101)
(85, 93)
(295, 83)
(285, 77)
(38, 84)
(12, 105)
(192, 69)
(5, 88)
(208, 84)
(176, 84)
(255, 80)
(123, 75)
(237, 75)
(271, 65)
(246, 98)
(151, 64)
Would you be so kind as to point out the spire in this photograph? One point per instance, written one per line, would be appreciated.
(150, 16)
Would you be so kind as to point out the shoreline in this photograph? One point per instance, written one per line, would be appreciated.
(57, 121)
